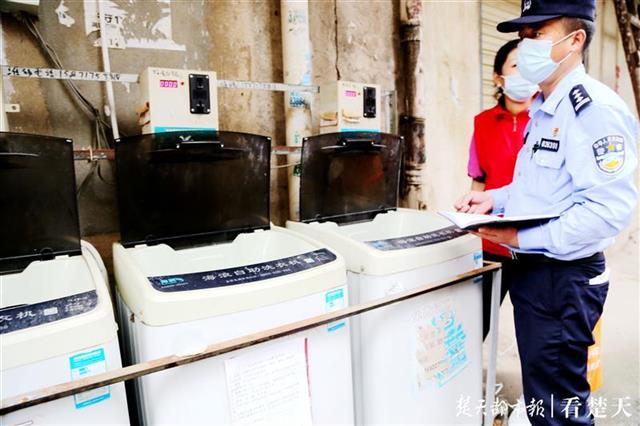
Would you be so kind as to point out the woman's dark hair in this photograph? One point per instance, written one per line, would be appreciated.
(498, 63)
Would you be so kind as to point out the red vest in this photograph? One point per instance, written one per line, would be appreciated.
(499, 135)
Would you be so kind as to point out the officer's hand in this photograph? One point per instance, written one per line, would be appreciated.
(508, 236)
(475, 202)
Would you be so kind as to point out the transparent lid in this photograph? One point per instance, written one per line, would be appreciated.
(191, 187)
(349, 176)
(38, 209)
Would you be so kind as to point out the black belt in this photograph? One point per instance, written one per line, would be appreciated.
(541, 258)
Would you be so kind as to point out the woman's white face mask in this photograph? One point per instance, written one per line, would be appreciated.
(519, 89)
(534, 58)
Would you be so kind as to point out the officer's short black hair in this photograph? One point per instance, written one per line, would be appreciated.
(574, 24)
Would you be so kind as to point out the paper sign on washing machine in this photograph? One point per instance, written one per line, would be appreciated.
(269, 385)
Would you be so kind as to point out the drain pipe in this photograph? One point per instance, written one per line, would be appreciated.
(4, 125)
(106, 65)
(412, 123)
(296, 61)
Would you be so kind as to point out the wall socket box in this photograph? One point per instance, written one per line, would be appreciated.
(349, 107)
(174, 100)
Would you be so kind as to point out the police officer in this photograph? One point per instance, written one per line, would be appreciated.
(578, 162)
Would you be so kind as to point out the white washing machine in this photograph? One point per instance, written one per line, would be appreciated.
(413, 361)
(199, 264)
(56, 319)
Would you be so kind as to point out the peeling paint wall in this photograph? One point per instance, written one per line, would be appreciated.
(367, 42)
(246, 45)
(452, 67)
(47, 108)
(34, 115)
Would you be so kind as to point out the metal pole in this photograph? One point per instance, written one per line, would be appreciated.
(490, 390)
(4, 126)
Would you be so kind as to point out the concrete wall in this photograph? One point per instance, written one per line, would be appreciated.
(452, 65)
(246, 45)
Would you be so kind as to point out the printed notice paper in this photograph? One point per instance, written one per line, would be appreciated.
(470, 221)
(268, 385)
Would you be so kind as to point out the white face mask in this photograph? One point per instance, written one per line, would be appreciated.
(534, 58)
(517, 88)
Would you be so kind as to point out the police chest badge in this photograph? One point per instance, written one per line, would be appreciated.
(609, 153)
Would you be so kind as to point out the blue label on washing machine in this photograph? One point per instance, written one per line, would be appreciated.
(418, 240)
(87, 364)
(26, 316)
(242, 274)
(335, 300)
(477, 259)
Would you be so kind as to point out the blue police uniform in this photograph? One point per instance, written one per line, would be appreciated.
(578, 162)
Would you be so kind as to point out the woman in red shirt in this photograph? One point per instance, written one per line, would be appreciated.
(498, 135)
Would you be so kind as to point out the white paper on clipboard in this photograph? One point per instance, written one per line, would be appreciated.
(269, 386)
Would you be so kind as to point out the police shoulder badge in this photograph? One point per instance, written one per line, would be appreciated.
(609, 153)
(579, 97)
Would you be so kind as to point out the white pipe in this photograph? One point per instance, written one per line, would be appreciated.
(296, 61)
(106, 64)
(494, 326)
(4, 125)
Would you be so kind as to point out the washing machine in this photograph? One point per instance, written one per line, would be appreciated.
(56, 318)
(199, 263)
(413, 361)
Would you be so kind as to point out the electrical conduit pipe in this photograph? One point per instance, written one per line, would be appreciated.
(296, 59)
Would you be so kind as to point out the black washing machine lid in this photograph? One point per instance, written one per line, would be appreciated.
(349, 176)
(38, 208)
(192, 187)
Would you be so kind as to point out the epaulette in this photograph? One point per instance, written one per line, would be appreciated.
(579, 97)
